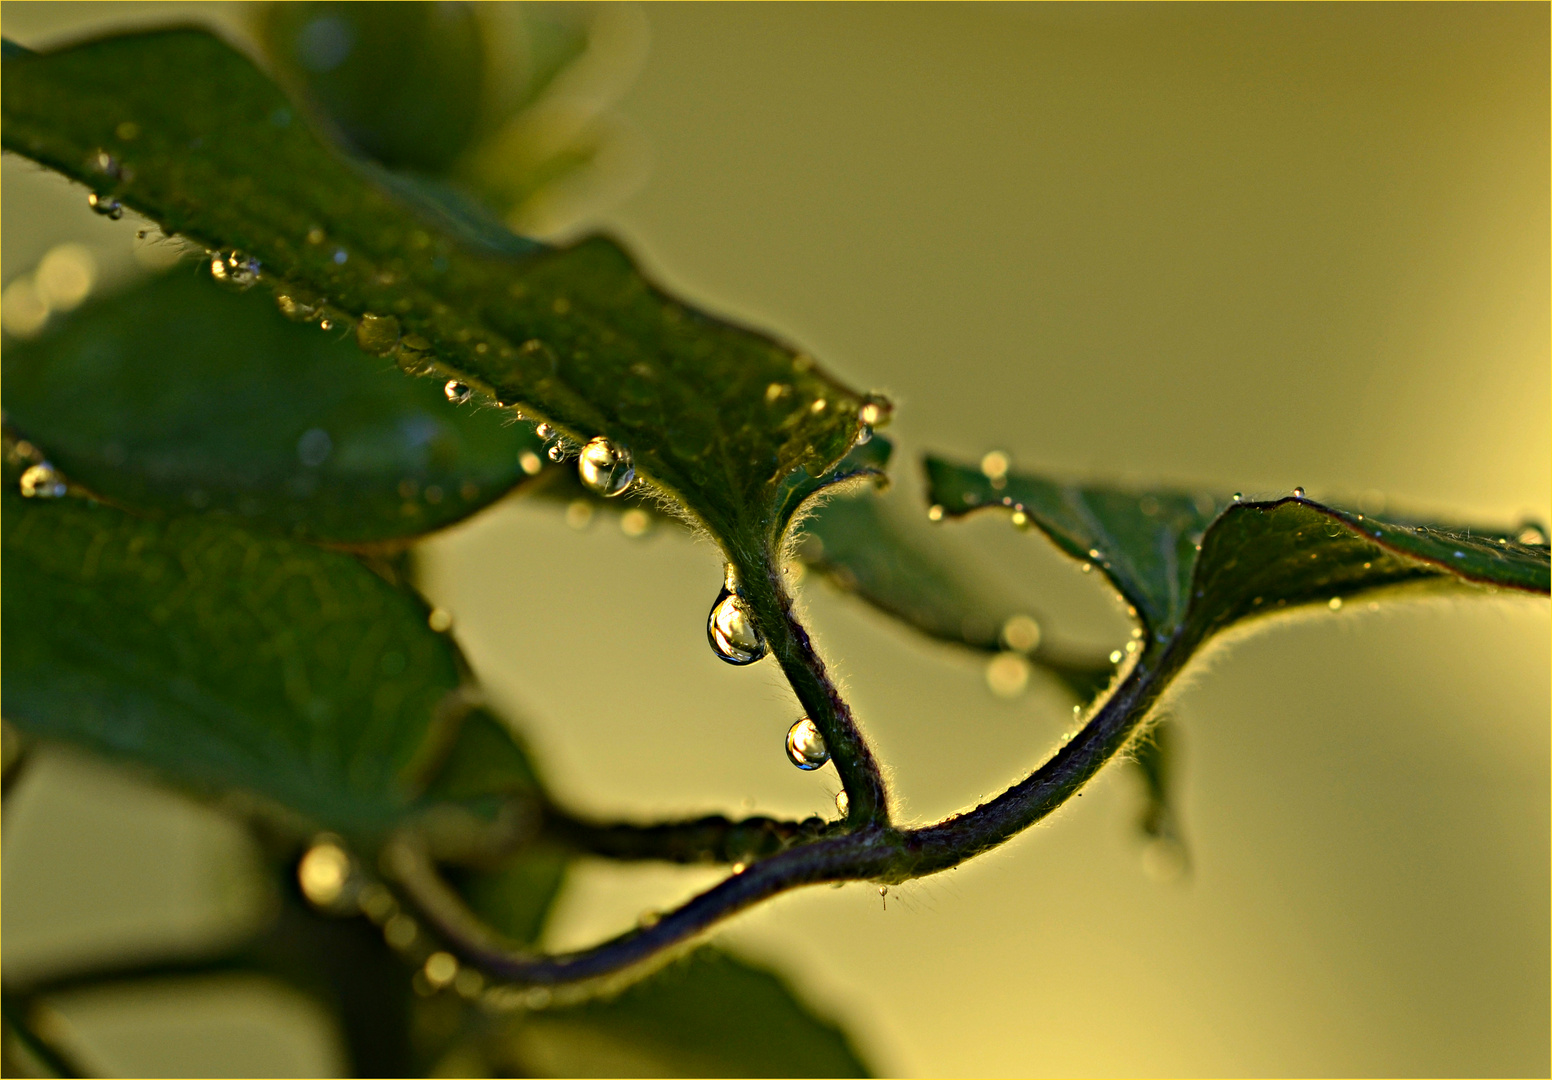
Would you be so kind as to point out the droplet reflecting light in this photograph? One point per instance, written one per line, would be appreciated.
(806, 746)
(730, 631)
(605, 468)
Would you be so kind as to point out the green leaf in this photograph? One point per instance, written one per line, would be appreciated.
(205, 399)
(709, 1014)
(904, 567)
(1193, 564)
(402, 83)
(185, 129)
(1155, 753)
(222, 658)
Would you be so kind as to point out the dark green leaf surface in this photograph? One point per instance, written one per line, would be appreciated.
(1196, 563)
(709, 1014)
(179, 395)
(907, 570)
(221, 658)
(184, 129)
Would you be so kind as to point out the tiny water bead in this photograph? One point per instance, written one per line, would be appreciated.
(1298, 493)
(605, 468)
(295, 307)
(934, 513)
(109, 208)
(413, 354)
(544, 431)
(42, 481)
(377, 334)
(561, 449)
(1335, 603)
(875, 410)
(805, 746)
(730, 631)
(457, 392)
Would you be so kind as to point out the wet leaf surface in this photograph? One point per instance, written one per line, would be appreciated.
(1197, 563)
(184, 129)
(176, 395)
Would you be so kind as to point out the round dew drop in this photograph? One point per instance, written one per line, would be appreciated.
(42, 481)
(805, 746)
(733, 637)
(457, 392)
(234, 270)
(111, 209)
(377, 334)
(605, 468)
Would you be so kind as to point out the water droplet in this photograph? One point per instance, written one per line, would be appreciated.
(864, 436)
(440, 620)
(1238, 497)
(605, 468)
(1094, 553)
(819, 406)
(457, 392)
(1021, 634)
(731, 633)
(295, 307)
(775, 392)
(1335, 603)
(1021, 520)
(107, 207)
(1115, 656)
(739, 867)
(544, 431)
(876, 410)
(934, 512)
(843, 803)
(994, 466)
(42, 481)
(1298, 493)
(324, 872)
(377, 334)
(1007, 674)
(1087, 568)
(234, 270)
(805, 746)
(1532, 535)
(561, 449)
(326, 324)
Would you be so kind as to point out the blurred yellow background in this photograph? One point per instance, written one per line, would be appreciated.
(1245, 246)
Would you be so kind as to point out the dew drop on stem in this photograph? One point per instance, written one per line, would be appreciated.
(109, 208)
(378, 334)
(605, 468)
(806, 746)
(457, 392)
(731, 633)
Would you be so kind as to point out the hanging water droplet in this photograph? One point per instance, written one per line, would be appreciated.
(731, 633)
(377, 334)
(1115, 656)
(864, 436)
(843, 803)
(457, 392)
(561, 449)
(1531, 535)
(413, 354)
(109, 208)
(42, 481)
(296, 307)
(544, 431)
(1298, 493)
(934, 513)
(605, 468)
(234, 269)
(1238, 497)
(805, 746)
(326, 324)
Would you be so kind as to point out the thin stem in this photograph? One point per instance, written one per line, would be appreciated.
(710, 839)
(872, 852)
(763, 589)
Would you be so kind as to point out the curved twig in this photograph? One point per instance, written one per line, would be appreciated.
(870, 853)
(710, 839)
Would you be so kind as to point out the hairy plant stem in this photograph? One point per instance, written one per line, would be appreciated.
(763, 588)
(710, 839)
(870, 852)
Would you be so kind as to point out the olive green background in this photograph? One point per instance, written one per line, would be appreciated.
(1244, 246)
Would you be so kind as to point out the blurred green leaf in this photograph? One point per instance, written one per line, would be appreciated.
(222, 658)
(709, 1014)
(202, 398)
(403, 83)
(1156, 755)
(1193, 564)
(183, 128)
(907, 569)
